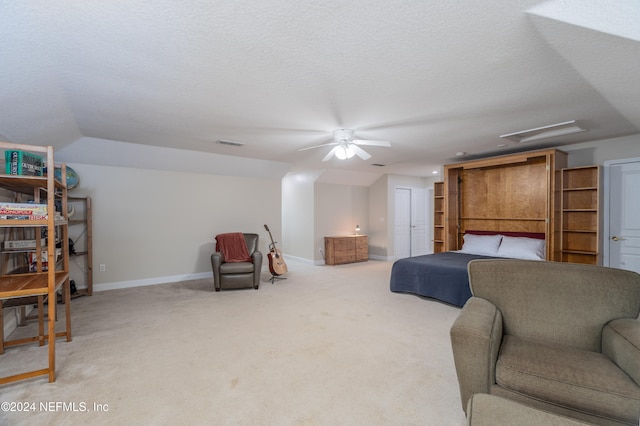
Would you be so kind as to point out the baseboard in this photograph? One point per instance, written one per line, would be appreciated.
(157, 280)
(151, 281)
(197, 276)
(300, 259)
(383, 258)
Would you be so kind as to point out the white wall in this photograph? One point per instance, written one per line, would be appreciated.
(298, 215)
(151, 226)
(589, 153)
(378, 217)
(338, 209)
(311, 211)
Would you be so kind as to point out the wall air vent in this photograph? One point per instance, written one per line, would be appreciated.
(545, 132)
(231, 143)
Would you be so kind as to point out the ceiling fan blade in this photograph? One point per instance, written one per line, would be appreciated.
(331, 153)
(372, 143)
(318, 146)
(359, 151)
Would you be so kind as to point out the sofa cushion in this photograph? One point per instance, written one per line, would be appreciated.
(567, 377)
(236, 268)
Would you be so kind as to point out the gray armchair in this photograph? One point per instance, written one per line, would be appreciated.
(560, 337)
(238, 274)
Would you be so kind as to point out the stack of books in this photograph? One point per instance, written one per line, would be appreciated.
(23, 163)
(23, 211)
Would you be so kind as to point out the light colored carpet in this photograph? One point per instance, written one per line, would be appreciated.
(331, 345)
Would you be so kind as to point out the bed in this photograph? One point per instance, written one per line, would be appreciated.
(443, 276)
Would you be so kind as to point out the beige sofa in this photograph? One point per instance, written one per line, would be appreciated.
(560, 337)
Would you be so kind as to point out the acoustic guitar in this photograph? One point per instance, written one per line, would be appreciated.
(276, 261)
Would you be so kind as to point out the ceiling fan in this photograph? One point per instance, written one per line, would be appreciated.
(346, 147)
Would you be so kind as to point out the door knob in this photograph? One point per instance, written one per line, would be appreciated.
(616, 238)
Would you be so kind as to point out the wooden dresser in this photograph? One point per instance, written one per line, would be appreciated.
(339, 250)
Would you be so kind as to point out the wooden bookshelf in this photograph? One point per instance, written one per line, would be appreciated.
(581, 215)
(44, 282)
(438, 217)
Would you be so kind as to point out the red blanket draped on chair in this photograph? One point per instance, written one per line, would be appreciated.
(233, 247)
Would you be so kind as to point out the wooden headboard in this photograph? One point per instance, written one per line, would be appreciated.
(517, 193)
(536, 235)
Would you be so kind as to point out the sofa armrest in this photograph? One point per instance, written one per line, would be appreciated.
(475, 339)
(257, 267)
(216, 260)
(621, 343)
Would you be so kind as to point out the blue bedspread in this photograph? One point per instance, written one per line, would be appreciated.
(441, 276)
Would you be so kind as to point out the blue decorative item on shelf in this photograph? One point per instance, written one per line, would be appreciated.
(73, 180)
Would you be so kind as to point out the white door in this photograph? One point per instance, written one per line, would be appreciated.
(419, 225)
(411, 223)
(402, 228)
(622, 235)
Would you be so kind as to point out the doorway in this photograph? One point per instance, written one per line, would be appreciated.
(411, 235)
(621, 227)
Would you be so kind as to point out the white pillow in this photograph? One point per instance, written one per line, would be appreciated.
(522, 248)
(486, 245)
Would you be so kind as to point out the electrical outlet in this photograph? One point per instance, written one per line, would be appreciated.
(103, 267)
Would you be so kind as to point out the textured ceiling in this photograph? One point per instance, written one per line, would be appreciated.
(432, 77)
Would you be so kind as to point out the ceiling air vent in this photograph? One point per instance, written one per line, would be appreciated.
(545, 132)
(231, 143)
(379, 165)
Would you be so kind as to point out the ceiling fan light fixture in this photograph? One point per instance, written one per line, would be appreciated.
(344, 152)
(344, 146)
(545, 132)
